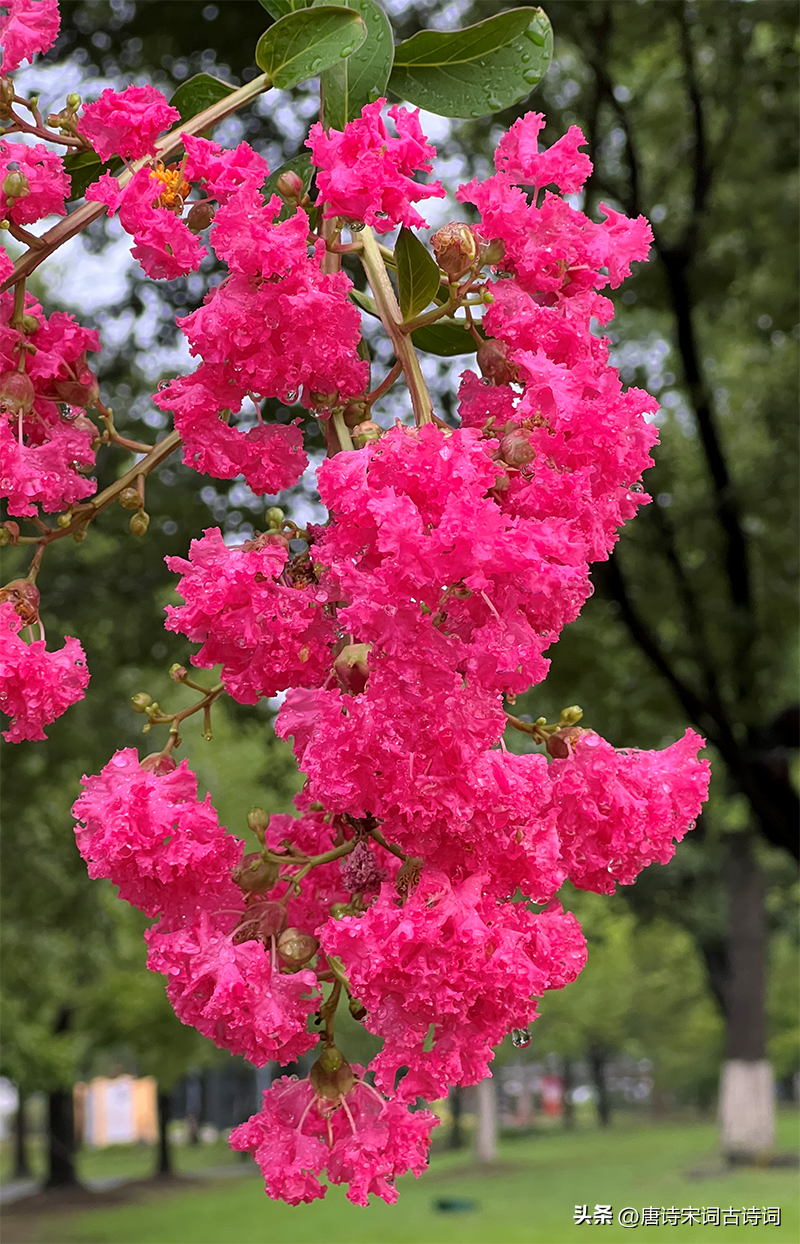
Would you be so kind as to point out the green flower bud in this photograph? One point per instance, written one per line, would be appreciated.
(64, 520)
(274, 516)
(366, 434)
(129, 499)
(255, 875)
(15, 185)
(141, 701)
(139, 523)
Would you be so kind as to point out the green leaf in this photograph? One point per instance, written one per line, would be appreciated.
(472, 72)
(362, 78)
(300, 164)
(446, 338)
(303, 44)
(418, 274)
(280, 8)
(198, 93)
(83, 168)
(365, 302)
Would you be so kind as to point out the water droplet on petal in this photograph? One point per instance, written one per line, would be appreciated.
(520, 1038)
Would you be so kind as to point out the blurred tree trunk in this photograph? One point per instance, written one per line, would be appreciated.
(597, 1064)
(164, 1167)
(22, 1169)
(456, 1138)
(61, 1140)
(747, 1110)
(486, 1131)
(567, 1104)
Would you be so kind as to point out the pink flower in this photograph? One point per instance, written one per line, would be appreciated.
(445, 975)
(562, 165)
(619, 811)
(150, 835)
(367, 175)
(45, 184)
(127, 123)
(232, 992)
(29, 26)
(224, 172)
(36, 686)
(361, 1138)
(242, 603)
(45, 473)
(149, 210)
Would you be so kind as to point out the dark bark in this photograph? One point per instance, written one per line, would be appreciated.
(456, 1138)
(22, 1168)
(61, 1141)
(164, 1166)
(567, 1104)
(597, 1064)
(746, 1021)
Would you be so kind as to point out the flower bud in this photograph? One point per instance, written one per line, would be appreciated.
(73, 101)
(258, 822)
(139, 523)
(158, 763)
(290, 186)
(80, 534)
(82, 391)
(255, 875)
(366, 434)
(332, 1076)
(64, 520)
(455, 248)
(30, 323)
(17, 393)
(516, 448)
(494, 362)
(129, 499)
(15, 185)
(5, 537)
(200, 216)
(354, 413)
(274, 516)
(261, 921)
(141, 701)
(323, 402)
(24, 596)
(561, 744)
(296, 947)
(351, 668)
(177, 672)
(491, 254)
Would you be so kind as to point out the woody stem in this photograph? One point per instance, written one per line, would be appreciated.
(392, 319)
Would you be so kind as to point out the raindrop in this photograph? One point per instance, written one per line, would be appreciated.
(289, 397)
(520, 1038)
(525, 58)
(636, 488)
(531, 75)
(535, 37)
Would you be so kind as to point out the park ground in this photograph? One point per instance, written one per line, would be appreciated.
(527, 1197)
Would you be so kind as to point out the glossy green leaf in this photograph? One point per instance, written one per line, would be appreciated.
(303, 44)
(446, 338)
(418, 275)
(281, 8)
(300, 164)
(473, 72)
(83, 167)
(198, 93)
(362, 78)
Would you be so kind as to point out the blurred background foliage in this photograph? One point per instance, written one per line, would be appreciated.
(690, 115)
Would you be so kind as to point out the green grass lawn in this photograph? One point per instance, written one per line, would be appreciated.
(130, 1161)
(528, 1199)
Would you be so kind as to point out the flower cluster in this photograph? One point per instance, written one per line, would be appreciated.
(46, 442)
(36, 686)
(419, 882)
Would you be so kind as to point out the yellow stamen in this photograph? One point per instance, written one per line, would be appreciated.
(176, 188)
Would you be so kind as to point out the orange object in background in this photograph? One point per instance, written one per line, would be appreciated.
(121, 1111)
